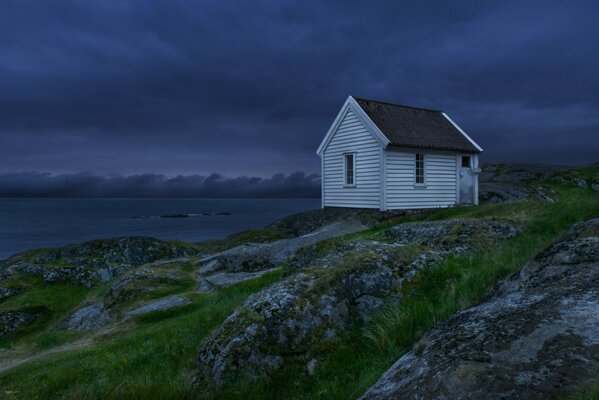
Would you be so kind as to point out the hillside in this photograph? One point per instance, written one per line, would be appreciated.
(321, 305)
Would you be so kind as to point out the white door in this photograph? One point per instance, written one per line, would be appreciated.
(466, 180)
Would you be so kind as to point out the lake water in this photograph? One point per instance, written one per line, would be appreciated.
(37, 223)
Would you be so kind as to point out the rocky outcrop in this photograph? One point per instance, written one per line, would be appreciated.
(255, 257)
(533, 337)
(95, 261)
(11, 321)
(458, 235)
(160, 305)
(131, 286)
(86, 318)
(221, 280)
(299, 316)
(499, 183)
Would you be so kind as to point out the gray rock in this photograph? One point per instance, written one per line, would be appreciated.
(89, 317)
(160, 305)
(252, 257)
(10, 321)
(458, 235)
(5, 293)
(307, 311)
(226, 279)
(129, 286)
(533, 337)
(95, 261)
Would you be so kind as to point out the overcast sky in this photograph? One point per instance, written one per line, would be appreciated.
(250, 88)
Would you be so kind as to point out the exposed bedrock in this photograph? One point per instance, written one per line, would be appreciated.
(95, 261)
(250, 258)
(535, 336)
(296, 319)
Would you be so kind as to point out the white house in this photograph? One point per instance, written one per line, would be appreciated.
(391, 157)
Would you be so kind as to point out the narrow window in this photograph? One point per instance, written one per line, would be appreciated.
(349, 169)
(465, 161)
(419, 169)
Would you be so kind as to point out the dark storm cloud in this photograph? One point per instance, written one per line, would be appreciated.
(34, 184)
(251, 87)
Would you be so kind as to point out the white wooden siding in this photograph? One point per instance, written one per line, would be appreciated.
(440, 179)
(352, 136)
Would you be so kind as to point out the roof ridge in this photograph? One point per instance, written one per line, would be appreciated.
(398, 105)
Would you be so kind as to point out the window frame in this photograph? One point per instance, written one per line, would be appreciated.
(416, 161)
(469, 161)
(345, 175)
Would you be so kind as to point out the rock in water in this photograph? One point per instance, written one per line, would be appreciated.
(535, 336)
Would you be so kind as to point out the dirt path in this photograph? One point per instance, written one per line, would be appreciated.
(9, 363)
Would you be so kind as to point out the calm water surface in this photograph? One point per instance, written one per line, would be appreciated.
(37, 223)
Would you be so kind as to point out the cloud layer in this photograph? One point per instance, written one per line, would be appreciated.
(35, 184)
(251, 88)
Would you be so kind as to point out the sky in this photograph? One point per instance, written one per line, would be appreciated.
(97, 93)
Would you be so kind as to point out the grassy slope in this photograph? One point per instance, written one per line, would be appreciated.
(153, 358)
(149, 360)
(361, 357)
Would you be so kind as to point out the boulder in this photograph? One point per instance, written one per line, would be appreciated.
(252, 257)
(458, 235)
(86, 318)
(10, 321)
(160, 305)
(295, 319)
(95, 261)
(533, 337)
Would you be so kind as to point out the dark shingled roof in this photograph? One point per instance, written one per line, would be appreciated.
(413, 127)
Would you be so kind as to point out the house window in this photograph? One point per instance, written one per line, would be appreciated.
(465, 161)
(350, 169)
(419, 169)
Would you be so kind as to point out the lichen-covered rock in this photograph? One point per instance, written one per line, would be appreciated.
(160, 305)
(459, 235)
(89, 317)
(534, 337)
(5, 293)
(10, 321)
(252, 257)
(130, 286)
(95, 261)
(221, 280)
(296, 318)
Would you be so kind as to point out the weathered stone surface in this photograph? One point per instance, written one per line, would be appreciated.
(459, 235)
(225, 279)
(160, 305)
(95, 261)
(535, 335)
(86, 318)
(10, 321)
(130, 286)
(5, 293)
(294, 318)
(252, 257)
(499, 183)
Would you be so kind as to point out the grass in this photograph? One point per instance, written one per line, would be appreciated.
(154, 356)
(150, 360)
(50, 301)
(458, 282)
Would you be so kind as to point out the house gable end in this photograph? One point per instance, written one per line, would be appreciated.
(351, 104)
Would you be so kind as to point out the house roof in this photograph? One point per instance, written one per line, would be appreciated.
(412, 127)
